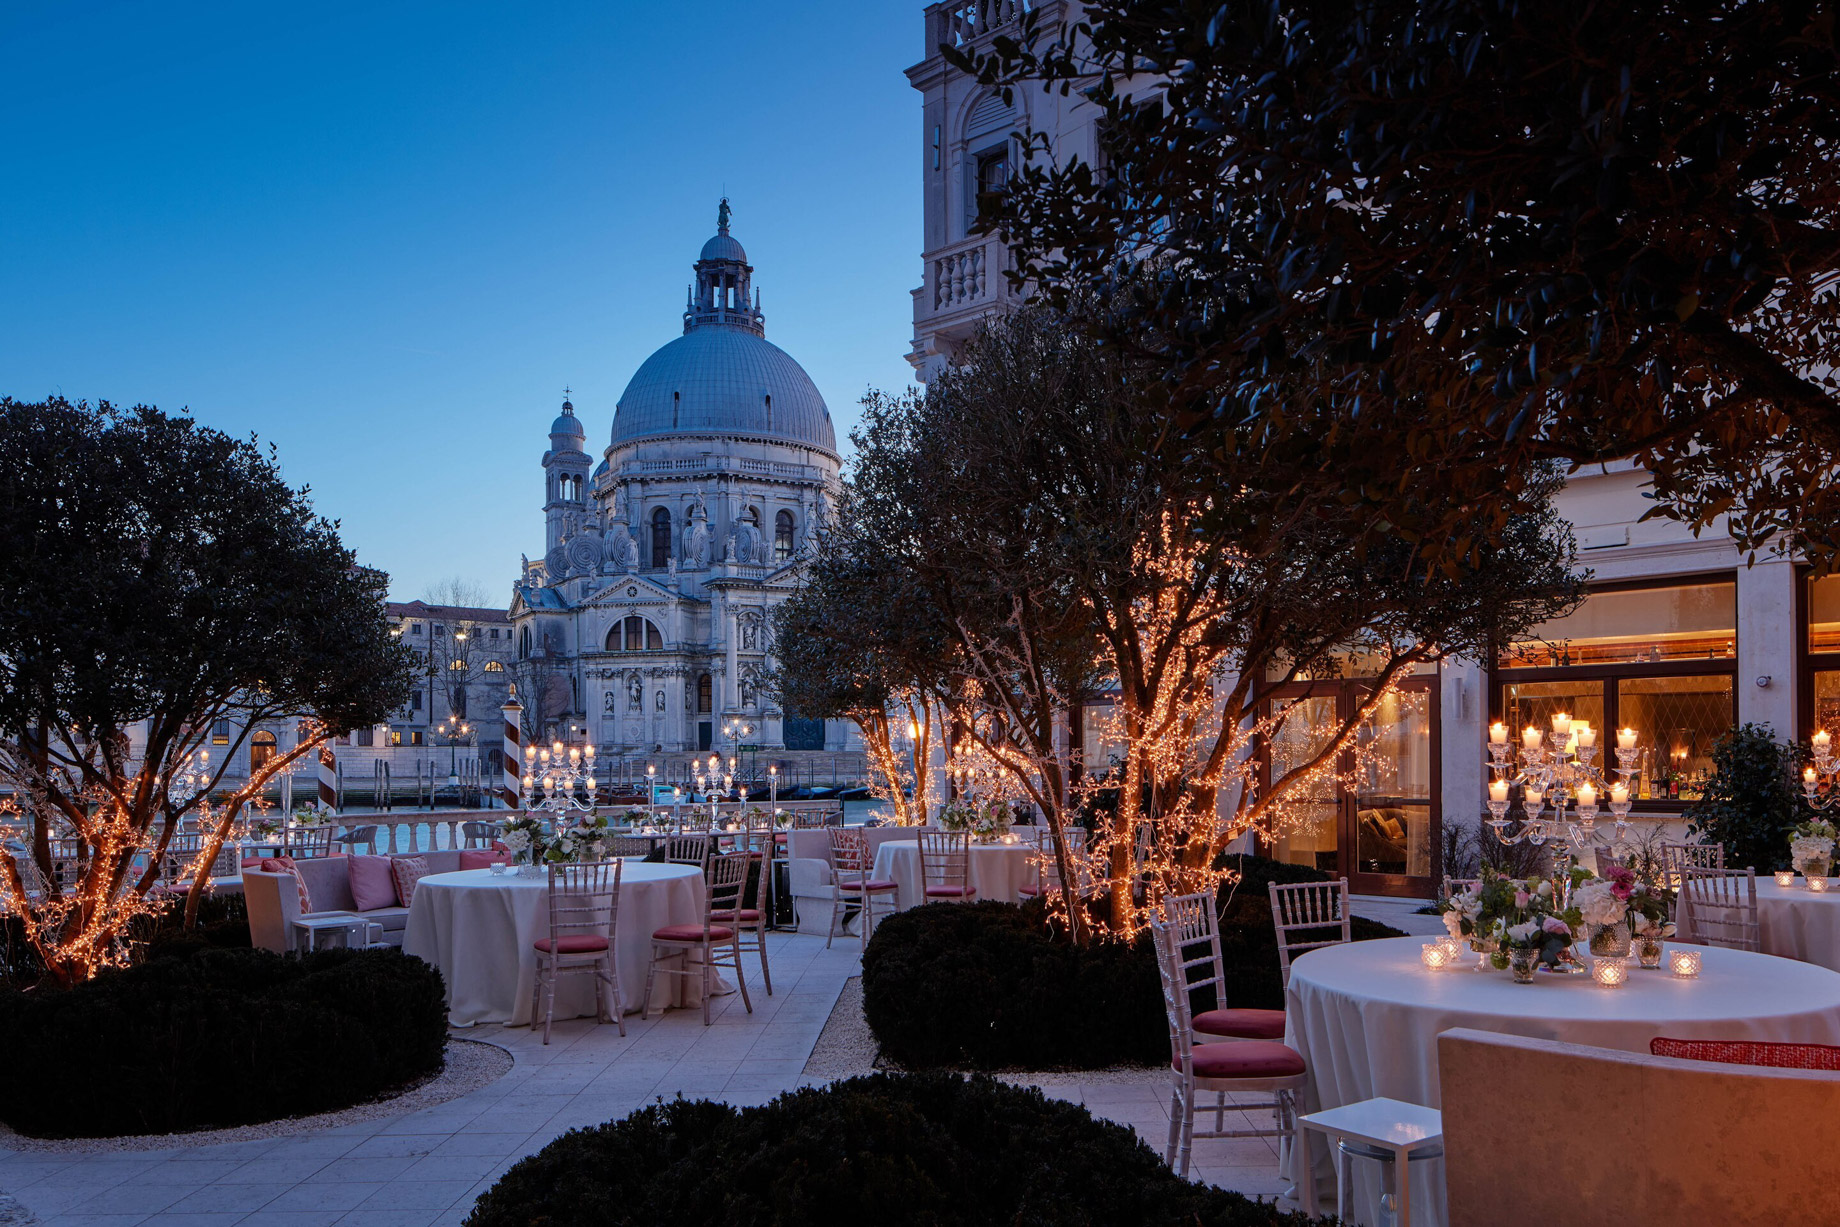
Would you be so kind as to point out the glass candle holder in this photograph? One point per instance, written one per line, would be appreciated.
(1785, 877)
(1683, 964)
(1817, 885)
(1610, 972)
(1434, 955)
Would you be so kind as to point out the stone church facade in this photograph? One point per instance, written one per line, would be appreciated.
(645, 627)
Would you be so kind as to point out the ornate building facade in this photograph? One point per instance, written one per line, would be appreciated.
(645, 626)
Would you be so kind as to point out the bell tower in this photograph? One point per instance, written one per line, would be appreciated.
(565, 477)
(724, 280)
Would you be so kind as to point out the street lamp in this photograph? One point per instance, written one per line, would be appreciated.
(456, 731)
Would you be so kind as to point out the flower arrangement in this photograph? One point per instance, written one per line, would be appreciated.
(525, 834)
(1811, 847)
(958, 815)
(310, 816)
(992, 822)
(636, 817)
(1511, 914)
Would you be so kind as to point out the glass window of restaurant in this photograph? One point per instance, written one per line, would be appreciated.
(1657, 658)
(1374, 816)
(1821, 657)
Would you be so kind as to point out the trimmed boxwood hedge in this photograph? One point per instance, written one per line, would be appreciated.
(888, 1149)
(994, 986)
(219, 1038)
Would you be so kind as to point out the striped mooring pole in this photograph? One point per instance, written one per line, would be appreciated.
(514, 751)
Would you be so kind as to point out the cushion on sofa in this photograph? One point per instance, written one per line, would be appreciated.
(479, 858)
(285, 864)
(407, 870)
(372, 884)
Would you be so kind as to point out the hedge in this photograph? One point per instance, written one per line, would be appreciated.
(994, 986)
(220, 1038)
(888, 1149)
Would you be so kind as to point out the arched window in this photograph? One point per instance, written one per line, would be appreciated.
(661, 537)
(261, 749)
(634, 634)
(705, 694)
(523, 642)
(782, 536)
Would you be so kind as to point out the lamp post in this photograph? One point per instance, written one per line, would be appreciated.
(456, 731)
(735, 732)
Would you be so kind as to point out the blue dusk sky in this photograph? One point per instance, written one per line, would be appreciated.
(385, 236)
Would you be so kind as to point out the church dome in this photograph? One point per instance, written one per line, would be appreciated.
(723, 380)
(723, 247)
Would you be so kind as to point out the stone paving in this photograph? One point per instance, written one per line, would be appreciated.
(427, 1167)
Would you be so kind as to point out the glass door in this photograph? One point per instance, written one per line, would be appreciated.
(1313, 820)
(1393, 810)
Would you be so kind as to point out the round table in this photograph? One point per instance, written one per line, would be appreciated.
(997, 871)
(1797, 923)
(478, 926)
(1366, 1017)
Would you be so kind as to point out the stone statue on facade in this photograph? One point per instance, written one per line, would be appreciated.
(696, 538)
(635, 693)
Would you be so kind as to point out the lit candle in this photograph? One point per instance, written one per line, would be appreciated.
(1587, 736)
(1823, 740)
(1808, 776)
(1498, 734)
(1530, 738)
(1561, 724)
(1434, 955)
(1626, 739)
(1534, 799)
(1684, 964)
(1610, 972)
(1619, 793)
(1817, 885)
(1785, 877)
(1498, 791)
(1587, 795)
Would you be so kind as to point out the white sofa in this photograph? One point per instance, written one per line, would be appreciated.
(274, 904)
(809, 874)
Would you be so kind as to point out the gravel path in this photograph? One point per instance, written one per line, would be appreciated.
(470, 1065)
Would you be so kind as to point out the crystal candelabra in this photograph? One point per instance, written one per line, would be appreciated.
(562, 773)
(187, 785)
(1821, 779)
(1559, 768)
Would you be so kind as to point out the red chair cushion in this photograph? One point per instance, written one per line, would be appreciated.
(1245, 1059)
(1242, 1024)
(1749, 1052)
(746, 914)
(691, 933)
(871, 884)
(580, 943)
(950, 892)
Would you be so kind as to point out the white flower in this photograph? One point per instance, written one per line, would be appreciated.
(1598, 904)
(517, 840)
(1453, 921)
(1521, 932)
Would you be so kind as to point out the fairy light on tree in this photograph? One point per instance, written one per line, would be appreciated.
(178, 596)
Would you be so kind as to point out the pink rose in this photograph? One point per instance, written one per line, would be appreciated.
(1554, 925)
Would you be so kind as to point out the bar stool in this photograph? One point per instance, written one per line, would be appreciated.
(1389, 1131)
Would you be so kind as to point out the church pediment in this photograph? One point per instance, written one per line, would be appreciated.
(631, 590)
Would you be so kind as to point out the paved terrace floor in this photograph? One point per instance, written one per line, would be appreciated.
(428, 1167)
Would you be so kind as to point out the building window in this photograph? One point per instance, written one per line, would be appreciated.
(782, 536)
(261, 749)
(1821, 674)
(220, 733)
(705, 694)
(495, 666)
(415, 628)
(634, 634)
(1658, 658)
(661, 538)
(415, 700)
(495, 632)
(523, 642)
(991, 177)
(365, 736)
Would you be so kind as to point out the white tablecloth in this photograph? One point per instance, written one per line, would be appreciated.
(477, 927)
(997, 871)
(1796, 923)
(1366, 1017)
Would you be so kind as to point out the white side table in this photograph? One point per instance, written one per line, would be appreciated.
(353, 930)
(1388, 1130)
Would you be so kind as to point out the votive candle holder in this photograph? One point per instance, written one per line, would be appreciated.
(1434, 955)
(1785, 877)
(1610, 972)
(1817, 885)
(1684, 964)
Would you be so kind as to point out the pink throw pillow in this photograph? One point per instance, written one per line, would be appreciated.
(499, 845)
(372, 884)
(407, 870)
(479, 858)
(285, 864)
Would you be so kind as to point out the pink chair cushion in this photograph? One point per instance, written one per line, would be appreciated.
(872, 884)
(691, 933)
(1245, 1059)
(285, 864)
(499, 845)
(1749, 1052)
(372, 885)
(407, 871)
(746, 914)
(1242, 1024)
(950, 892)
(253, 862)
(479, 858)
(581, 943)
